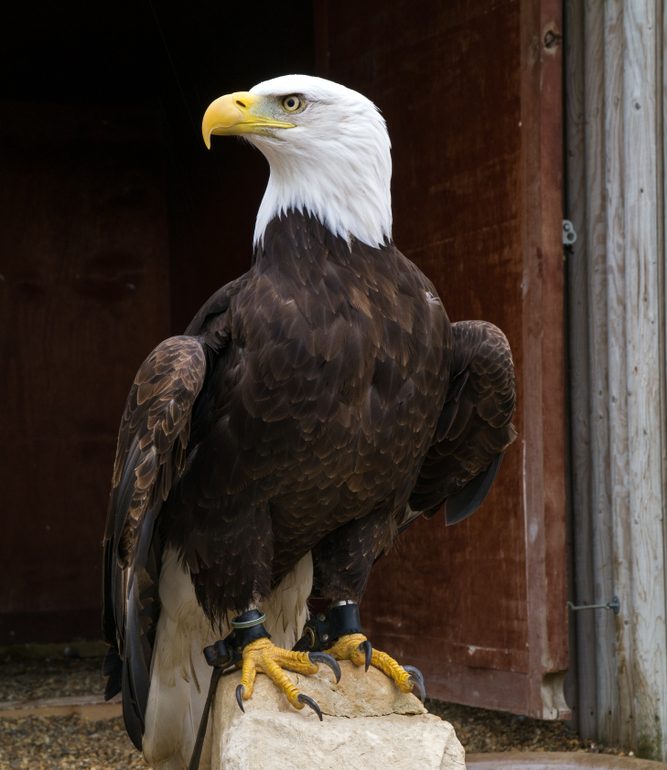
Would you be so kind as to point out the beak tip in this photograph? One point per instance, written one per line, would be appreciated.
(206, 136)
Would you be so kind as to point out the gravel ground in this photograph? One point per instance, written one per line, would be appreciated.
(481, 731)
(68, 743)
(30, 679)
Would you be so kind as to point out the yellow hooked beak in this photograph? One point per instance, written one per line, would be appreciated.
(238, 113)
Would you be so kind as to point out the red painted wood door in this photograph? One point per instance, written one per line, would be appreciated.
(472, 95)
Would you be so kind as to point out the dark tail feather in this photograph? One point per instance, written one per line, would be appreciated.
(134, 708)
(112, 668)
(467, 501)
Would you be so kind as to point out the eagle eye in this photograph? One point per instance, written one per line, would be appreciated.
(292, 103)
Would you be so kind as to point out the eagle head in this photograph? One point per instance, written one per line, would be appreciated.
(328, 151)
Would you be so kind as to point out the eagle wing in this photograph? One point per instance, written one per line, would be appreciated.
(150, 457)
(475, 426)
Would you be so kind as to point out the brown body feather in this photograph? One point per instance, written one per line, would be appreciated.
(317, 412)
(307, 404)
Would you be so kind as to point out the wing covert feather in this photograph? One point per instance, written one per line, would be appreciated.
(475, 426)
(150, 457)
(154, 434)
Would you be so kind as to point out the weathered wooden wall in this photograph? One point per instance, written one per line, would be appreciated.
(616, 165)
(471, 94)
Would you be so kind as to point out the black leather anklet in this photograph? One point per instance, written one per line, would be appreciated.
(224, 656)
(248, 627)
(323, 629)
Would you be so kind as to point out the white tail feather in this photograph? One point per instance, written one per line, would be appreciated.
(286, 609)
(179, 673)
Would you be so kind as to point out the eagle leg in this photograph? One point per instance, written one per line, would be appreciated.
(339, 631)
(356, 647)
(263, 656)
(254, 652)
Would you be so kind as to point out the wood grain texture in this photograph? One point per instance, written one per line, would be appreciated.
(543, 344)
(616, 162)
(476, 204)
(579, 352)
(640, 527)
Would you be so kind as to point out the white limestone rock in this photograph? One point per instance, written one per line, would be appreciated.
(368, 725)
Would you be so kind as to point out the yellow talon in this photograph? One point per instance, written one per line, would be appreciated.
(349, 647)
(263, 656)
(354, 647)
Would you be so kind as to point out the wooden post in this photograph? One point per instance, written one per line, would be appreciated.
(617, 355)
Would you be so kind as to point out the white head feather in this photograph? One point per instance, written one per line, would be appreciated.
(334, 164)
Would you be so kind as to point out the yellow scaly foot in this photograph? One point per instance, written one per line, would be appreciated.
(359, 650)
(263, 656)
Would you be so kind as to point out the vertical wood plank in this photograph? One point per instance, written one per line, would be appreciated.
(544, 390)
(640, 528)
(585, 700)
(620, 315)
(613, 389)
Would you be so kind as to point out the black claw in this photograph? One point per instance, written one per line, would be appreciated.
(239, 696)
(328, 660)
(310, 702)
(417, 679)
(367, 649)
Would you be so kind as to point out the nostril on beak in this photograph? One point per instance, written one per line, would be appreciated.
(240, 103)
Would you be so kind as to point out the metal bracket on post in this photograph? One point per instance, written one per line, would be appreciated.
(569, 233)
(614, 604)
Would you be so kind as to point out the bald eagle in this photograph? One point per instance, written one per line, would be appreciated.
(311, 410)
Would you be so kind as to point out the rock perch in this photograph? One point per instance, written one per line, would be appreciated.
(368, 725)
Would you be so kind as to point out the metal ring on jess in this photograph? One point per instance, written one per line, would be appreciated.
(243, 621)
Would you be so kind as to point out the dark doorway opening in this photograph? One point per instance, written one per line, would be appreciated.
(116, 225)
